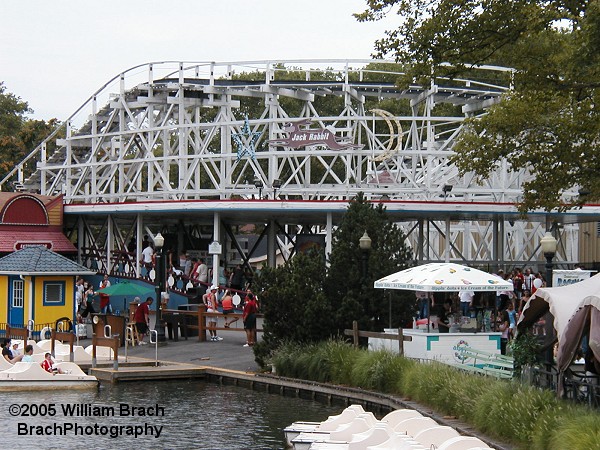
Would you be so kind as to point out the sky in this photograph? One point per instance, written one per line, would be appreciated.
(55, 54)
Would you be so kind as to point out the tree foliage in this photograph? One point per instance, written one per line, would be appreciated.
(18, 134)
(548, 122)
(305, 302)
(351, 293)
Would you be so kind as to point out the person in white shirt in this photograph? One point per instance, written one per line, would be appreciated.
(147, 255)
(466, 301)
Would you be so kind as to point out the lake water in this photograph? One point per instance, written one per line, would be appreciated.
(177, 415)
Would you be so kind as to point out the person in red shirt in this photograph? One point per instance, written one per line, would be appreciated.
(249, 318)
(48, 364)
(142, 319)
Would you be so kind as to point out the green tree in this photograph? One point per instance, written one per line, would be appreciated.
(548, 122)
(18, 134)
(303, 301)
(351, 293)
(293, 303)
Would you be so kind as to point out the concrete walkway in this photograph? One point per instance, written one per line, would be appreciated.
(226, 354)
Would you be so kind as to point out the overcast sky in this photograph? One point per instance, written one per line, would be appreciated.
(55, 54)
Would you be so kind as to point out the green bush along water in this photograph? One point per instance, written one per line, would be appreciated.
(525, 416)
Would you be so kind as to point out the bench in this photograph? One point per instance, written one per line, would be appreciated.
(486, 363)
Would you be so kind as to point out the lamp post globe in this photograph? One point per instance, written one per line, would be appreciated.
(159, 242)
(364, 244)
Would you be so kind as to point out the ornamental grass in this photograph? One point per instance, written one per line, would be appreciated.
(525, 416)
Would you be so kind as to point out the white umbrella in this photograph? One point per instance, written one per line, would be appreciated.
(443, 277)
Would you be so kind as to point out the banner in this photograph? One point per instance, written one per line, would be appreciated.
(566, 277)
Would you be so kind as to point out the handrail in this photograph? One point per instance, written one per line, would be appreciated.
(154, 334)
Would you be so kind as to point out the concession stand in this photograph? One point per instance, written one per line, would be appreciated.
(426, 342)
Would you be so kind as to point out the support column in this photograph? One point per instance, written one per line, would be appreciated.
(139, 233)
(216, 238)
(271, 255)
(421, 243)
(109, 244)
(328, 238)
(447, 246)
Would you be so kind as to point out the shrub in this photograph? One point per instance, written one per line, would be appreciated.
(578, 432)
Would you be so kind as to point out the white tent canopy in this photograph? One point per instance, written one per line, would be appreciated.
(443, 277)
(563, 302)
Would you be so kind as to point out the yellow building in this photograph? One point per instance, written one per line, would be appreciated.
(37, 284)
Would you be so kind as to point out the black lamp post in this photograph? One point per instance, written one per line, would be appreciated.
(549, 244)
(365, 245)
(259, 185)
(159, 242)
(276, 185)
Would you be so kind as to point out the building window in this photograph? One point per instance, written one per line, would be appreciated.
(18, 297)
(54, 293)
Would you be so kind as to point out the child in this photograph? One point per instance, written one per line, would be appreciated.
(48, 364)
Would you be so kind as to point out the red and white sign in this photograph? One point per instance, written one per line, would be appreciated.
(22, 245)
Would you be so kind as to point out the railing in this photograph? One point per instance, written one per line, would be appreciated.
(196, 320)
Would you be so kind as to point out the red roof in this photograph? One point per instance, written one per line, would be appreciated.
(16, 238)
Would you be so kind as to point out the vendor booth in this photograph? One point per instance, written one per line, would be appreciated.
(426, 340)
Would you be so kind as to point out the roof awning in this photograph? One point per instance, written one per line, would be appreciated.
(12, 239)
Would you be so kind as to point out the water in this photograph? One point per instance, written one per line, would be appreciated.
(192, 414)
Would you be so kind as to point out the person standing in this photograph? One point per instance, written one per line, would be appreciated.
(105, 306)
(228, 308)
(141, 317)
(249, 318)
(236, 278)
(210, 300)
(79, 297)
(466, 301)
(202, 271)
(147, 257)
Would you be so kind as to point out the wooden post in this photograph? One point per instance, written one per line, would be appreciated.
(113, 342)
(355, 333)
(400, 342)
(201, 325)
(62, 336)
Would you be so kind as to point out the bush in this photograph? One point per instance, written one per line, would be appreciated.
(508, 410)
(580, 432)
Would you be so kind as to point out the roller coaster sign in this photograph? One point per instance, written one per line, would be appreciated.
(301, 135)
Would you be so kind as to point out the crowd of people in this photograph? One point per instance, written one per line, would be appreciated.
(499, 312)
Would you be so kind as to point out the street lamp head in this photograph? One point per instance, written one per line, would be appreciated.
(548, 244)
(365, 242)
(159, 241)
(276, 183)
(258, 183)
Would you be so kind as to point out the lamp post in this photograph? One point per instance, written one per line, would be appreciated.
(548, 244)
(276, 185)
(365, 245)
(159, 242)
(259, 185)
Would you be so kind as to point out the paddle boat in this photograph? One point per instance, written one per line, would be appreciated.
(30, 376)
(355, 429)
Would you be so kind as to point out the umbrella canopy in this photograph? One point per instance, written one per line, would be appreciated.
(126, 288)
(563, 302)
(443, 277)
